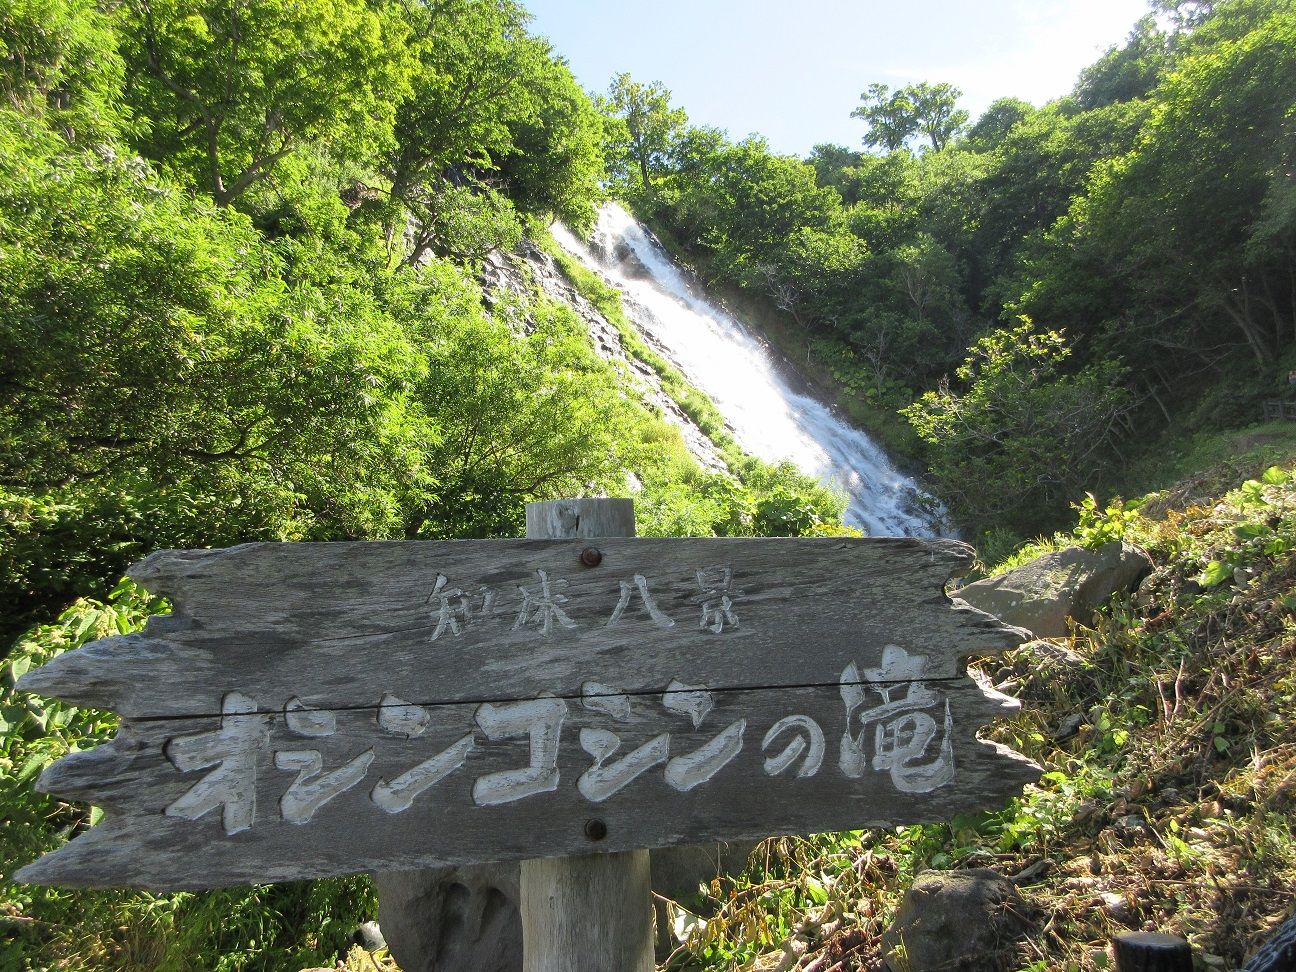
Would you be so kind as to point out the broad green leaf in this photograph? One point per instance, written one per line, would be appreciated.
(1249, 531)
(817, 892)
(87, 622)
(32, 765)
(1216, 573)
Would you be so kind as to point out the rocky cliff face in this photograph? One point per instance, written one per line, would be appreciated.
(529, 269)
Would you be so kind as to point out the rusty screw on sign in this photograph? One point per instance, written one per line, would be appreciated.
(591, 557)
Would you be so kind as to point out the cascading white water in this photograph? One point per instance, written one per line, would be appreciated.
(722, 358)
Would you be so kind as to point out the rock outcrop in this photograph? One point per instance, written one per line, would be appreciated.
(530, 268)
(1071, 584)
(955, 921)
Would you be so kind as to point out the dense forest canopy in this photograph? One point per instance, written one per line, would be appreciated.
(241, 298)
(239, 294)
(1041, 290)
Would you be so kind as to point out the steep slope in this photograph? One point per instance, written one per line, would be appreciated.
(1168, 732)
(531, 267)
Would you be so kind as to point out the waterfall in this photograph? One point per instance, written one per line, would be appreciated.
(752, 389)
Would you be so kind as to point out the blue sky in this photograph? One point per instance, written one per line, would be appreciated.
(794, 70)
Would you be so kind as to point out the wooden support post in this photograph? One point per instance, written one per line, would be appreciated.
(376, 671)
(1152, 952)
(590, 913)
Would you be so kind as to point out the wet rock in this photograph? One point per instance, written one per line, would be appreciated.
(956, 921)
(630, 263)
(1069, 584)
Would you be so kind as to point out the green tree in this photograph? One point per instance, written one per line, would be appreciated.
(893, 117)
(936, 109)
(684, 198)
(473, 61)
(1126, 72)
(163, 385)
(1043, 164)
(520, 418)
(1022, 437)
(62, 65)
(996, 122)
(926, 275)
(767, 215)
(233, 87)
(1186, 239)
(556, 166)
(493, 122)
(651, 126)
(834, 166)
(1184, 15)
(888, 192)
(816, 269)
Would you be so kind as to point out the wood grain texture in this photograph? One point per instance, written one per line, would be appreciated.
(340, 624)
(137, 844)
(315, 709)
(580, 519)
(589, 912)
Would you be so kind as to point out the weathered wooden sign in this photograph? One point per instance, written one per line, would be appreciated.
(320, 709)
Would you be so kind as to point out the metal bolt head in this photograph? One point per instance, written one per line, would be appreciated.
(591, 557)
(595, 829)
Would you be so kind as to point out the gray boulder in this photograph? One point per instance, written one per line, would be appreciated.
(1065, 584)
(956, 921)
(456, 919)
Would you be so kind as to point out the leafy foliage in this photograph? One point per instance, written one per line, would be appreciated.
(1021, 432)
(1166, 736)
(1149, 214)
(492, 121)
(923, 109)
(62, 66)
(648, 127)
(233, 88)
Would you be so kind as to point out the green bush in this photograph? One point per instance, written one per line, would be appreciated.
(276, 928)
